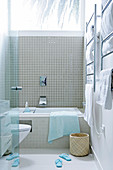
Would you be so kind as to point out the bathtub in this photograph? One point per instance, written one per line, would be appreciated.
(45, 112)
(39, 120)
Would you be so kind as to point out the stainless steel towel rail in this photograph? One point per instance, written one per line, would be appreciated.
(106, 6)
(94, 38)
(104, 41)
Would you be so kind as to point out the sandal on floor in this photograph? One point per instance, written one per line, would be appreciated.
(65, 156)
(58, 163)
(12, 156)
(16, 163)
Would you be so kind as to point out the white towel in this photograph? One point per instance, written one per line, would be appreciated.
(105, 48)
(89, 104)
(108, 46)
(104, 2)
(90, 53)
(90, 33)
(90, 49)
(104, 90)
(107, 21)
(90, 69)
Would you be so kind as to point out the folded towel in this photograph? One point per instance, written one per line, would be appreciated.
(90, 69)
(90, 53)
(89, 104)
(62, 124)
(105, 48)
(90, 32)
(104, 93)
(107, 21)
(90, 79)
(104, 2)
(90, 49)
(108, 46)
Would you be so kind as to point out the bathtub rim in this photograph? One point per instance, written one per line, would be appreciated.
(30, 115)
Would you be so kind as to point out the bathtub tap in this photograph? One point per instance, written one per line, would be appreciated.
(42, 101)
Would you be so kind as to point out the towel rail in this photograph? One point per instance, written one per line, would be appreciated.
(105, 55)
(94, 38)
(112, 81)
(91, 74)
(95, 42)
(90, 41)
(87, 24)
(90, 63)
(106, 38)
(103, 41)
(106, 6)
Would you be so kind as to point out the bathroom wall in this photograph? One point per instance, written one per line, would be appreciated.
(2, 75)
(38, 138)
(102, 144)
(58, 58)
(3, 46)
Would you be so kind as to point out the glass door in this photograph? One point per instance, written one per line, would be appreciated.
(9, 112)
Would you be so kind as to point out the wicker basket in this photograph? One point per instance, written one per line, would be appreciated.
(79, 144)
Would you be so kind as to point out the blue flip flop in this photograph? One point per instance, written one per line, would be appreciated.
(16, 163)
(65, 156)
(12, 156)
(58, 163)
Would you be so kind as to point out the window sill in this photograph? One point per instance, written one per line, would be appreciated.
(47, 33)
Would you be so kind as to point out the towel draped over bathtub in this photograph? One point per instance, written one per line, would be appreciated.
(63, 124)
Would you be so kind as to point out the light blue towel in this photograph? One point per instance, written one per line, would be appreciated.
(62, 124)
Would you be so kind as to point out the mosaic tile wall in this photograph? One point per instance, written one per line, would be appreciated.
(58, 58)
(38, 138)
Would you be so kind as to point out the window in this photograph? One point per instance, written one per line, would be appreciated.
(45, 15)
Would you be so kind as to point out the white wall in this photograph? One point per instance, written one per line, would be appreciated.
(3, 44)
(102, 144)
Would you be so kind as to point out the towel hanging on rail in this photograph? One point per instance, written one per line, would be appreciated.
(104, 90)
(90, 32)
(88, 115)
(104, 2)
(108, 46)
(90, 53)
(107, 21)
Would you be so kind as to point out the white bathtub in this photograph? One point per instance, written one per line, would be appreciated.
(45, 112)
(38, 138)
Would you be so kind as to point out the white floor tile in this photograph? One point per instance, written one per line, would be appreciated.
(7, 165)
(44, 159)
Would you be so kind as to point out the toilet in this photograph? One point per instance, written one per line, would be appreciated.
(23, 131)
(19, 133)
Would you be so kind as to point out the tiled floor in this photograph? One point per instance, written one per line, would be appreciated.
(6, 165)
(45, 160)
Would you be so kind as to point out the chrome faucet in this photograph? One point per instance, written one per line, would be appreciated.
(42, 101)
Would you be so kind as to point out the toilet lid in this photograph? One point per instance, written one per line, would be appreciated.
(23, 127)
(20, 127)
